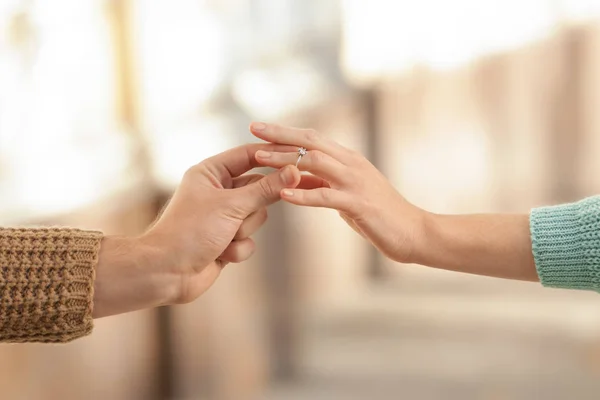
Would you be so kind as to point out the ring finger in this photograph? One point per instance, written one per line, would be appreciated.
(307, 138)
(315, 162)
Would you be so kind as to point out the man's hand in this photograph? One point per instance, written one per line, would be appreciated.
(207, 224)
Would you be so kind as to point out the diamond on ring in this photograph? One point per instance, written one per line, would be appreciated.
(301, 153)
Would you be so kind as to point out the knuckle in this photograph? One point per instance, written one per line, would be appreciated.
(196, 171)
(266, 186)
(357, 157)
(311, 135)
(325, 195)
(184, 299)
(192, 172)
(359, 210)
(353, 178)
(235, 255)
(354, 154)
(240, 251)
(183, 295)
(316, 156)
(263, 215)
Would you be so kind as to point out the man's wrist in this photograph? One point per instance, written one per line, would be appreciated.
(131, 275)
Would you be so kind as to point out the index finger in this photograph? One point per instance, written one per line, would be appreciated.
(239, 160)
(307, 138)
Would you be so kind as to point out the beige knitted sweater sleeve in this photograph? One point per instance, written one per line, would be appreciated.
(47, 284)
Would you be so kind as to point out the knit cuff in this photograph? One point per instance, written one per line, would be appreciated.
(566, 244)
(47, 284)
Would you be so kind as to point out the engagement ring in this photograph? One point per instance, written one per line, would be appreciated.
(301, 153)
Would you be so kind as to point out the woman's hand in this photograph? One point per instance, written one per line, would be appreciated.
(344, 180)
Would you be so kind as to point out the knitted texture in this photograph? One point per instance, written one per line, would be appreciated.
(566, 244)
(46, 284)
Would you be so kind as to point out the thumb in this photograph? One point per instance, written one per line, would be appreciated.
(266, 191)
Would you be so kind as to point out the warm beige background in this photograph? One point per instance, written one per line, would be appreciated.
(506, 131)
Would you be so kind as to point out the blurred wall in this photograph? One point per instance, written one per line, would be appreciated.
(142, 90)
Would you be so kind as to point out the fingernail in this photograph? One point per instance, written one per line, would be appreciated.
(259, 126)
(287, 176)
(287, 193)
(263, 154)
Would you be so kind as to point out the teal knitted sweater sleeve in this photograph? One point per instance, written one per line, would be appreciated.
(566, 244)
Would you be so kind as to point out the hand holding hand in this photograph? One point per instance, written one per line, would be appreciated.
(344, 180)
(207, 224)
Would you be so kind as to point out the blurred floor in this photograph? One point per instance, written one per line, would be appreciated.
(455, 337)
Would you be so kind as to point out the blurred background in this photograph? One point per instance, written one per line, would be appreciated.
(466, 105)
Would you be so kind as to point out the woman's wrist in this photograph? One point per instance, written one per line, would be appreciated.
(426, 239)
(417, 223)
(132, 275)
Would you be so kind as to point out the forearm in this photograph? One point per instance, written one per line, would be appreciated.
(487, 244)
(558, 245)
(131, 275)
